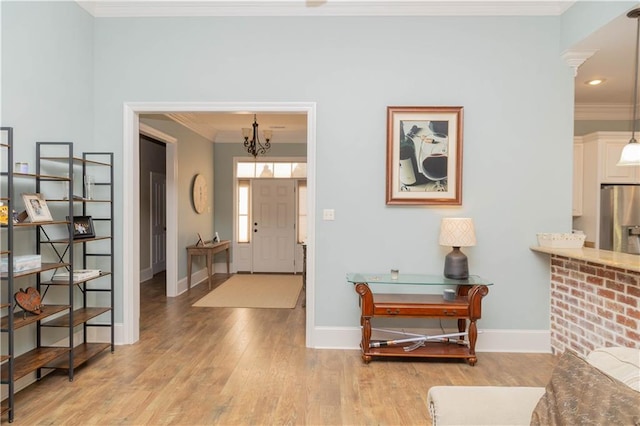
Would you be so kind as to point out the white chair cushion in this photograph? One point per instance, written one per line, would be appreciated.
(620, 363)
(482, 405)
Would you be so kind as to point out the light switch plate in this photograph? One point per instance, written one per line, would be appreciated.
(328, 214)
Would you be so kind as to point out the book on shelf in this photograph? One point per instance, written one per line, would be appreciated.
(78, 275)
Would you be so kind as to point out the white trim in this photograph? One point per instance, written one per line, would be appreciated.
(171, 174)
(131, 198)
(595, 112)
(131, 226)
(576, 58)
(118, 8)
(146, 274)
(147, 130)
(523, 341)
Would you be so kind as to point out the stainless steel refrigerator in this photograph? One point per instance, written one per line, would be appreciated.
(620, 218)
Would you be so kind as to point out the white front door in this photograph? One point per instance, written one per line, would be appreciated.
(158, 222)
(273, 225)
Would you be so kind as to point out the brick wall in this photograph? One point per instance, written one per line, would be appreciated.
(593, 305)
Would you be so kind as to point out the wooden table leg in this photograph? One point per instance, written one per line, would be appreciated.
(189, 260)
(227, 251)
(209, 256)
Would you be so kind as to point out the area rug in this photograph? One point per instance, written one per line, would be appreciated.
(255, 291)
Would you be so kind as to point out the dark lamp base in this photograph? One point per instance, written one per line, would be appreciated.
(455, 265)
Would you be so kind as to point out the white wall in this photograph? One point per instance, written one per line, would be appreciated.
(507, 72)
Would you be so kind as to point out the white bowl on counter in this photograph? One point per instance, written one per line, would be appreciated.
(561, 240)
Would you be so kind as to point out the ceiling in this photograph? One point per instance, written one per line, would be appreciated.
(611, 49)
(613, 59)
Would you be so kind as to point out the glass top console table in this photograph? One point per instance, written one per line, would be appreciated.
(465, 305)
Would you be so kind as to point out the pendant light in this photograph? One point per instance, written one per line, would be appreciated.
(631, 152)
(253, 145)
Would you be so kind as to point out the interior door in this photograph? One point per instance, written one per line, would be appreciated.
(158, 222)
(273, 225)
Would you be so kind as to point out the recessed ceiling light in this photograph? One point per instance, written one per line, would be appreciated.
(595, 81)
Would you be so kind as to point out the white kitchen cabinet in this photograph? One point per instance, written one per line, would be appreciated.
(577, 179)
(601, 152)
(611, 173)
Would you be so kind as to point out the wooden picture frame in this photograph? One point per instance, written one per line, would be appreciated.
(82, 227)
(424, 155)
(36, 208)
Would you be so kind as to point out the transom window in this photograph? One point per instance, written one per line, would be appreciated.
(285, 170)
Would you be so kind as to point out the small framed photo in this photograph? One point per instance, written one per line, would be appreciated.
(36, 208)
(82, 227)
(424, 155)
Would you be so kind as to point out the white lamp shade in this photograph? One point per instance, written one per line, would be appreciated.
(246, 132)
(457, 232)
(630, 155)
(267, 134)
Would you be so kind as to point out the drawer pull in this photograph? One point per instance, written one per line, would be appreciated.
(390, 312)
(450, 313)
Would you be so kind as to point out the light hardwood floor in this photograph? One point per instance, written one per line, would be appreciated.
(224, 366)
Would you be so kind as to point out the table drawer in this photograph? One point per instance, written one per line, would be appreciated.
(420, 305)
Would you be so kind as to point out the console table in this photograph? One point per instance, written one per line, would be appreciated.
(466, 305)
(207, 249)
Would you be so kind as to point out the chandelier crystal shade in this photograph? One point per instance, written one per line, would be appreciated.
(253, 145)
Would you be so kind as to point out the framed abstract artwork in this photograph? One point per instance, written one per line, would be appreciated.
(424, 155)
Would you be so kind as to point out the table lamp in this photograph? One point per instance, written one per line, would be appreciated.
(457, 232)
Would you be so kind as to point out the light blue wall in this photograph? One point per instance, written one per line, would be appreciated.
(47, 74)
(353, 72)
(585, 17)
(517, 137)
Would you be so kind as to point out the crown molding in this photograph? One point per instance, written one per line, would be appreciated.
(180, 119)
(592, 112)
(169, 8)
(575, 58)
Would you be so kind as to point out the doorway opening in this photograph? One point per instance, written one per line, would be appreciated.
(153, 232)
(130, 330)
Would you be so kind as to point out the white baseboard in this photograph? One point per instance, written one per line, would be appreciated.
(146, 274)
(525, 341)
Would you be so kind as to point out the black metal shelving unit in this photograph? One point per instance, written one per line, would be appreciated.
(7, 357)
(73, 307)
(92, 298)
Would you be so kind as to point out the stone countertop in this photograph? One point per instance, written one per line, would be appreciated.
(627, 261)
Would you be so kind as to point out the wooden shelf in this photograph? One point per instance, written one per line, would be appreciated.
(66, 283)
(80, 316)
(429, 350)
(43, 267)
(42, 177)
(19, 319)
(76, 160)
(81, 354)
(3, 358)
(34, 224)
(78, 200)
(31, 361)
(75, 241)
